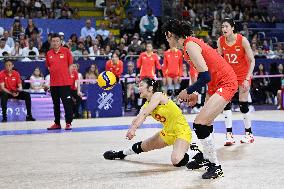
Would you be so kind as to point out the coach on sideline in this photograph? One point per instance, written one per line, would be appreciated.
(58, 60)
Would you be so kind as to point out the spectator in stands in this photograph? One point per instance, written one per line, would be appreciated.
(131, 87)
(110, 40)
(103, 31)
(135, 46)
(76, 95)
(11, 87)
(79, 51)
(9, 40)
(108, 51)
(115, 66)
(58, 60)
(44, 11)
(62, 38)
(77, 67)
(88, 42)
(148, 25)
(31, 28)
(92, 72)
(85, 55)
(260, 86)
(46, 45)
(24, 42)
(88, 30)
(128, 25)
(37, 84)
(31, 57)
(4, 48)
(274, 82)
(17, 50)
(73, 42)
(16, 29)
(63, 14)
(76, 14)
(8, 12)
(94, 51)
(31, 47)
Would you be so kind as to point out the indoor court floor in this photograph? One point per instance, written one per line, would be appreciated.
(33, 158)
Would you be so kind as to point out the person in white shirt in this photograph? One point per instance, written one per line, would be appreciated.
(9, 40)
(102, 31)
(148, 24)
(88, 30)
(31, 47)
(38, 81)
(17, 50)
(4, 48)
(94, 51)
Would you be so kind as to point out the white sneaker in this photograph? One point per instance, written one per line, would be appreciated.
(248, 138)
(229, 141)
(251, 108)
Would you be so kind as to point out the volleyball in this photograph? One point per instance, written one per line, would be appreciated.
(106, 80)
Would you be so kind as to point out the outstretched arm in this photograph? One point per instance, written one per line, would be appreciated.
(144, 112)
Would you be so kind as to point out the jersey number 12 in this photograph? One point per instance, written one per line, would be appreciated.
(232, 58)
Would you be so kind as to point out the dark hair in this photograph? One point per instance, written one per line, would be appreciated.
(181, 29)
(151, 82)
(54, 35)
(8, 60)
(230, 21)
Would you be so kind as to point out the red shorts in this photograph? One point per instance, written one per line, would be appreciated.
(226, 90)
(173, 76)
(241, 81)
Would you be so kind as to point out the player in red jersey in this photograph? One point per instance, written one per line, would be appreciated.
(236, 50)
(222, 85)
(172, 69)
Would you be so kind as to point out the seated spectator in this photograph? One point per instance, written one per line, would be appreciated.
(11, 87)
(37, 84)
(31, 57)
(73, 40)
(128, 25)
(88, 42)
(135, 46)
(260, 91)
(148, 25)
(79, 51)
(46, 45)
(30, 48)
(76, 14)
(88, 30)
(103, 31)
(8, 12)
(31, 28)
(115, 66)
(62, 38)
(92, 73)
(47, 82)
(85, 55)
(63, 14)
(77, 68)
(16, 29)
(9, 40)
(4, 48)
(17, 50)
(94, 51)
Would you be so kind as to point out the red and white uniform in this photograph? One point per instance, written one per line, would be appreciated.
(223, 78)
(236, 56)
(116, 69)
(11, 82)
(148, 64)
(74, 78)
(172, 64)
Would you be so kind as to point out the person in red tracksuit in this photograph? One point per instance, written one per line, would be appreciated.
(58, 60)
(237, 51)
(173, 70)
(148, 62)
(115, 65)
(76, 95)
(214, 71)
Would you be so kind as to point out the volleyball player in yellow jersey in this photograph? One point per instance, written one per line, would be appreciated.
(176, 130)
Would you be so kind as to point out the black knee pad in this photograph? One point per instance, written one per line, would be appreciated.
(184, 161)
(228, 106)
(202, 131)
(244, 107)
(170, 92)
(137, 147)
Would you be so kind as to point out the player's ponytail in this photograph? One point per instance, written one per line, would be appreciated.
(181, 29)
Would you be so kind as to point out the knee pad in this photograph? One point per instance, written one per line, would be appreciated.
(244, 107)
(170, 92)
(184, 161)
(228, 106)
(202, 131)
(137, 147)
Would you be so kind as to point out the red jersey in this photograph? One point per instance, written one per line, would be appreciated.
(116, 69)
(172, 64)
(58, 64)
(236, 56)
(223, 78)
(12, 81)
(74, 78)
(147, 64)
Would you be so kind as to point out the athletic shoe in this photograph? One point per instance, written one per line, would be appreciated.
(198, 162)
(68, 126)
(112, 155)
(247, 139)
(213, 172)
(54, 127)
(229, 140)
(30, 118)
